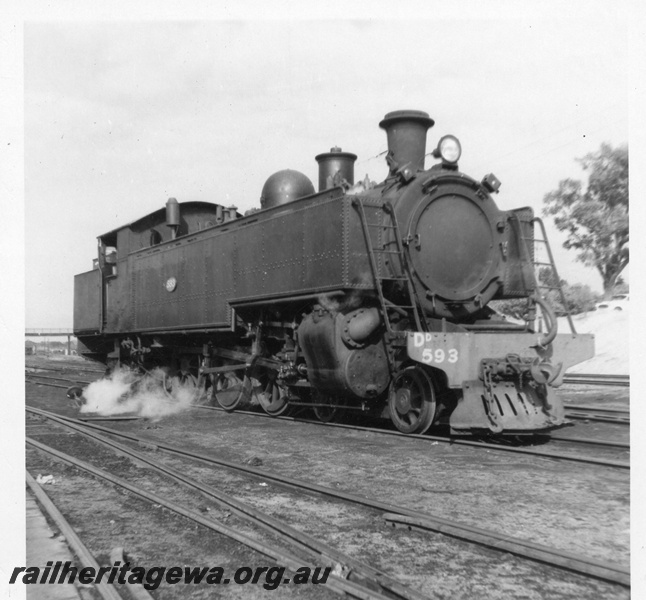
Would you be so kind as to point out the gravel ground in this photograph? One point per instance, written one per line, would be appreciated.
(578, 508)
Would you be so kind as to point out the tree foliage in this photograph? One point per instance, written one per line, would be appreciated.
(578, 298)
(596, 220)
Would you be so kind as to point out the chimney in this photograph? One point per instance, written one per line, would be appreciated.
(406, 131)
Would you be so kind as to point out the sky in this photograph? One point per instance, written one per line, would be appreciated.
(119, 116)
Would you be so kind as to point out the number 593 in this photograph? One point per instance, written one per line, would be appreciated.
(439, 355)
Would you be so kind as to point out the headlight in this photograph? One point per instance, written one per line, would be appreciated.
(448, 149)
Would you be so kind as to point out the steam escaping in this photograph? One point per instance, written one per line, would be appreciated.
(148, 396)
(351, 299)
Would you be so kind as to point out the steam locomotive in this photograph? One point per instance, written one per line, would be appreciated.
(362, 296)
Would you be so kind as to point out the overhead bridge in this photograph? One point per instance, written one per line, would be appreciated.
(48, 332)
(45, 332)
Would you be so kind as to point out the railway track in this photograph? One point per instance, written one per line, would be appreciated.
(60, 369)
(107, 591)
(499, 444)
(598, 414)
(366, 576)
(594, 379)
(590, 441)
(600, 409)
(570, 378)
(38, 377)
(361, 580)
(286, 557)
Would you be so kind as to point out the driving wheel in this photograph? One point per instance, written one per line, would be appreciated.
(273, 397)
(231, 392)
(412, 401)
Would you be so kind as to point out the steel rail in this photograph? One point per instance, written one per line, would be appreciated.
(582, 416)
(593, 379)
(49, 377)
(519, 547)
(56, 385)
(600, 375)
(363, 573)
(597, 408)
(106, 590)
(67, 368)
(137, 590)
(282, 556)
(450, 440)
(591, 441)
(592, 568)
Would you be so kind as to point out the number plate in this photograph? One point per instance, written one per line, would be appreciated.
(434, 349)
(449, 352)
(439, 355)
(458, 354)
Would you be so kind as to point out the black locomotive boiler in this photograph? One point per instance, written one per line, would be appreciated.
(361, 296)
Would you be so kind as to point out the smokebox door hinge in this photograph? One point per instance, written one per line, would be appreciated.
(410, 239)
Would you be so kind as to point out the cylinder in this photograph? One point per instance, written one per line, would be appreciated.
(172, 212)
(406, 131)
(334, 167)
